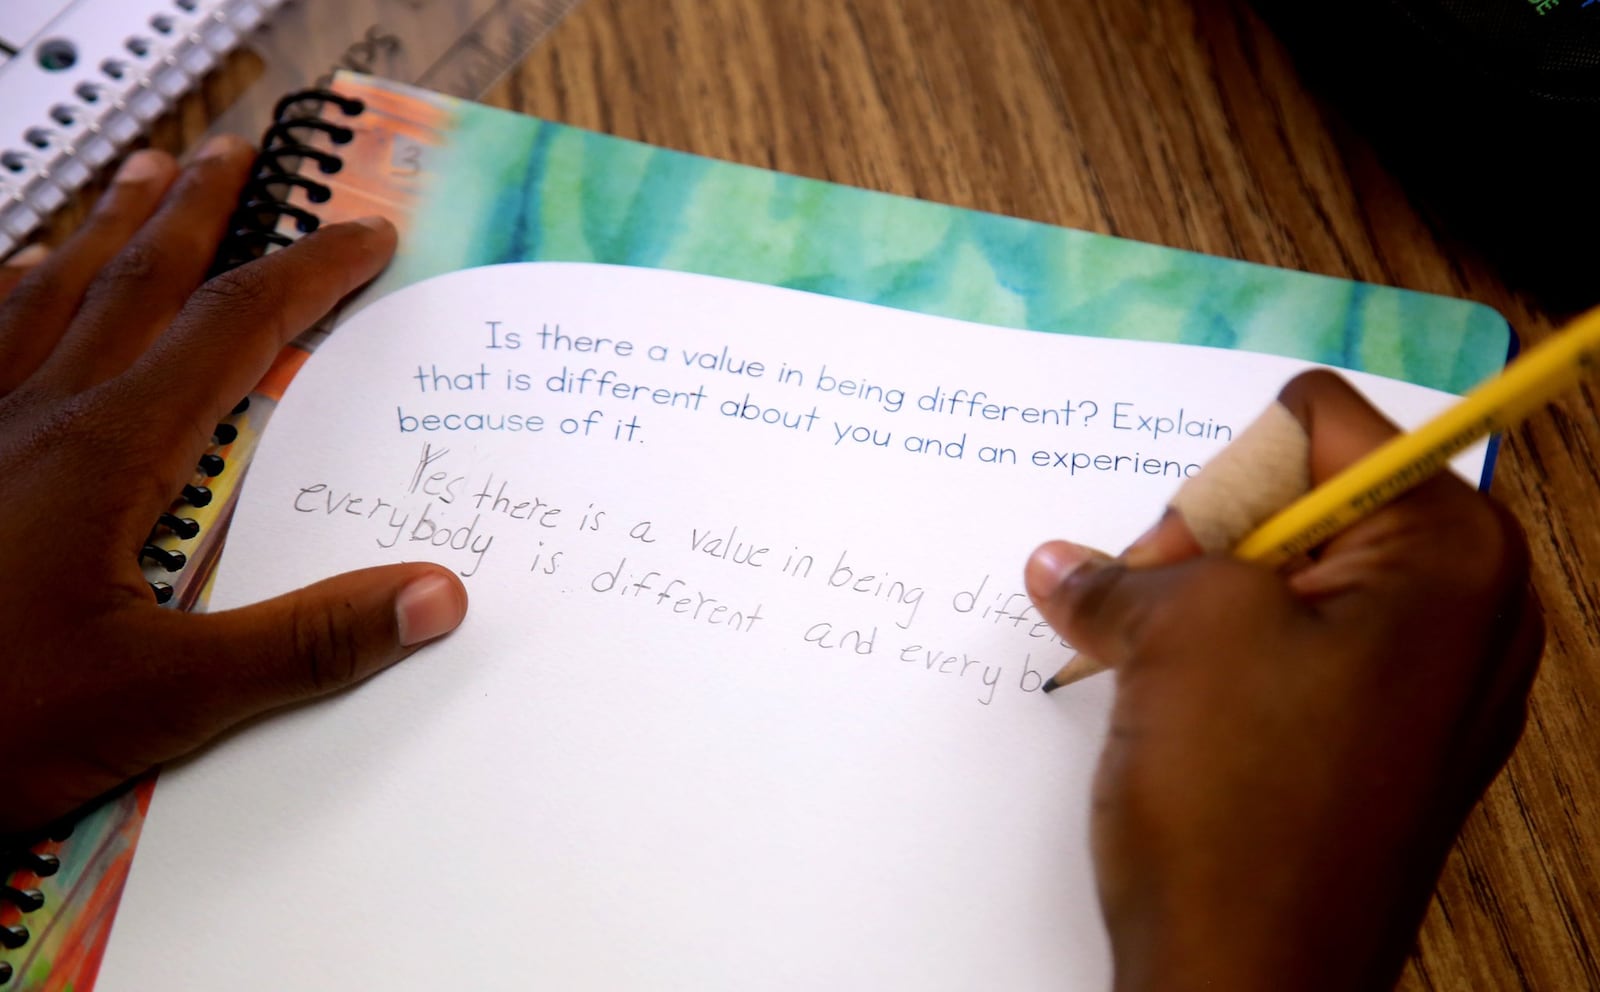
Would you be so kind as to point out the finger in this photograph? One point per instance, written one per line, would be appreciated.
(38, 311)
(317, 640)
(1117, 614)
(1342, 427)
(232, 328)
(139, 292)
(1087, 597)
(19, 265)
(1047, 568)
(1069, 582)
(1263, 470)
(1171, 540)
(1317, 426)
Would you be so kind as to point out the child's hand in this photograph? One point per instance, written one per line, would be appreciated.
(1290, 757)
(115, 365)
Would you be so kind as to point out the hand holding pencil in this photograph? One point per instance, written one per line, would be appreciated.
(1291, 752)
(1252, 499)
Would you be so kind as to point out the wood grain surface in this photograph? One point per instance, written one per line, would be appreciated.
(1185, 123)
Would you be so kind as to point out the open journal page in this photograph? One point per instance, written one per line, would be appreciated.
(748, 694)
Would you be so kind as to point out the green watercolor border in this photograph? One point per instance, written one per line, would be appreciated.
(514, 188)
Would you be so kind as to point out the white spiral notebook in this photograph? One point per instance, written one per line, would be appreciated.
(80, 79)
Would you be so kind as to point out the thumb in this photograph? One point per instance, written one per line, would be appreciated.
(1117, 614)
(1087, 597)
(315, 640)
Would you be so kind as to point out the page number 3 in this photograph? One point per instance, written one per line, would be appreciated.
(405, 159)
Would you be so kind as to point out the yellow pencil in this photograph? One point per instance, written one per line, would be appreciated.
(1407, 460)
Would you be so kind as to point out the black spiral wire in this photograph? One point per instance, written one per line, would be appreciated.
(253, 230)
(18, 854)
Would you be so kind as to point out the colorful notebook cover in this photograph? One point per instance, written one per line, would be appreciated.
(471, 186)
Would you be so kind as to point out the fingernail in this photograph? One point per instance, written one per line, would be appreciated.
(1050, 565)
(429, 607)
(374, 222)
(29, 256)
(142, 166)
(220, 146)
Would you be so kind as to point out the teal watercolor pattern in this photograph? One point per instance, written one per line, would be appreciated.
(509, 188)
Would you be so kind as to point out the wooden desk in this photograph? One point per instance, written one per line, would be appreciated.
(1180, 122)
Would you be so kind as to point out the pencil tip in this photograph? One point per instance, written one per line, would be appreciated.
(1080, 667)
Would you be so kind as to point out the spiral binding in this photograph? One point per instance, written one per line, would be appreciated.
(255, 228)
(21, 867)
(264, 203)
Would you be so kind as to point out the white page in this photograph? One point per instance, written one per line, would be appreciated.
(584, 789)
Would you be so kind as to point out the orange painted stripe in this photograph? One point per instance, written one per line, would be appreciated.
(284, 368)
